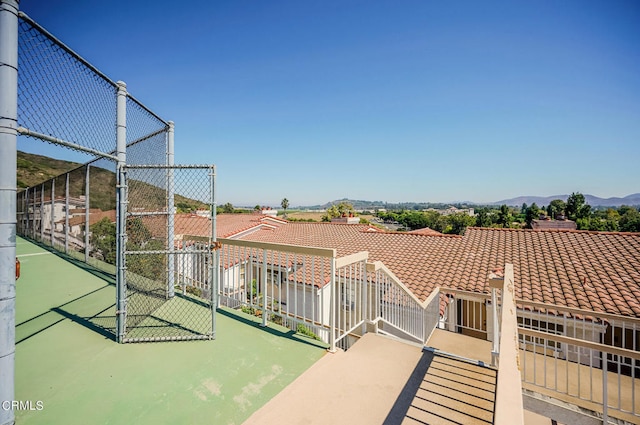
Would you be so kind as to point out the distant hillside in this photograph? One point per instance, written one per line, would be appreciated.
(34, 169)
(375, 205)
(594, 201)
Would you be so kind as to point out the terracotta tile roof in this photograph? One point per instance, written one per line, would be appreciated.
(597, 271)
(227, 225)
(95, 215)
(425, 231)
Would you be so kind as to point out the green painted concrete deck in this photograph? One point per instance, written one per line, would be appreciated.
(66, 357)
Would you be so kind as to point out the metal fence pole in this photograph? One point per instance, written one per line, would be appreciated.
(33, 227)
(170, 211)
(121, 143)
(8, 164)
(53, 210)
(42, 213)
(66, 214)
(215, 276)
(27, 228)
(86, 215)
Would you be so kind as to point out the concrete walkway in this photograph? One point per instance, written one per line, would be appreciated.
(356, 387)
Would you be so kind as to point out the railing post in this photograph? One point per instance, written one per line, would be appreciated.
(264, 287)
(8, 164)
(605, 388)
(495, 282)
(170, 211)
(332, 306)
(364, 309)
(121, 143)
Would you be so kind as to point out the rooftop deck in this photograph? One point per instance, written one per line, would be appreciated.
(67, 359)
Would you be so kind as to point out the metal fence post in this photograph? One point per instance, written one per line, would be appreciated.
(42, 213)
(66, 214)
(121, 143)
(86, 216)
(8, 164)
(217, 270)
(170, 211)
(53, 210)
(27, 225)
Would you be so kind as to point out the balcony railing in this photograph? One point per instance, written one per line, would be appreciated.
(582, 357)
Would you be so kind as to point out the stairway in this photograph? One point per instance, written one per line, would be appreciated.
(453, 392)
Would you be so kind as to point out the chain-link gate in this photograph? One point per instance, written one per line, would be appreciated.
(169, 259)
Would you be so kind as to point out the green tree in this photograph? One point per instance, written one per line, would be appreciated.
(577, 208)
(228, 208)
(284, 204)
(103, 240)
(556, 207)
(483, 219)
(257, 207)
(630, 220)
(413, 220)
(504, 216)
(531, 213)
(459, 222)
(340, 210)
(137, 233)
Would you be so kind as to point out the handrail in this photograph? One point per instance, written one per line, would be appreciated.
(623, 352)
(509, 407)
(296, 249)
(575, 310)
(463, 292)
(379, 265)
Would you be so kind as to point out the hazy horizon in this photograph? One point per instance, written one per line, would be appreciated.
(377, 100)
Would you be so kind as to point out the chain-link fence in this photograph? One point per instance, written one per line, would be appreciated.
(74, 213)
(65, 101)
(62, 96)
(166, 252)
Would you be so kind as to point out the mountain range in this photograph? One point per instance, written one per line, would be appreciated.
(594, 201)
(33, 169)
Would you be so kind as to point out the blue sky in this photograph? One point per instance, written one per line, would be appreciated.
(386, 100)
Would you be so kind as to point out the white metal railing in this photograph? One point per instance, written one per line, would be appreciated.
(393, 304)
(333, 298)
(466, 312)
(590, 359)
(285, 284)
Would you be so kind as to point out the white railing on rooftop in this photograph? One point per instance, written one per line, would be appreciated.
(312, 291)
(582, 357)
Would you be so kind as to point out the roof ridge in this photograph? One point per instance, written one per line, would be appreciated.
(392, 232)
(594, 232)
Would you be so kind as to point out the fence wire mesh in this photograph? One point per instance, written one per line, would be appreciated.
(61, 95)
(56, 213)
(163, 248)
(64, 100)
